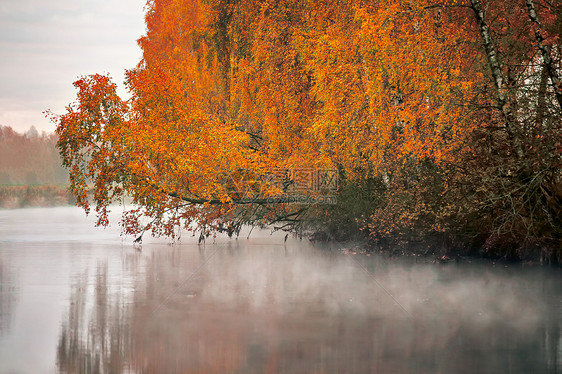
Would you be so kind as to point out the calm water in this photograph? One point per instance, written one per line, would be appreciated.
(79, 299)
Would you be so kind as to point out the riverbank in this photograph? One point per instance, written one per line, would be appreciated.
(436, 251)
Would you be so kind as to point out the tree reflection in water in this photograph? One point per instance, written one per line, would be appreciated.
(236, 311)
(8, 293)
(95, 338)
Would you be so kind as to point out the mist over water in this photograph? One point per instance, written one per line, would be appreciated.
(74, 298)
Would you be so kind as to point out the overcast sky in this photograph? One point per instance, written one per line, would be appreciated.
(46, 44)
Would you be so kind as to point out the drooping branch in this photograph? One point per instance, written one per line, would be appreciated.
(444, 6)
(201, 201)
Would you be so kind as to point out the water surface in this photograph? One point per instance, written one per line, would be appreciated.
(79, 299)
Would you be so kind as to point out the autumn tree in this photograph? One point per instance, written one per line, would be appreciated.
(514, 170)
(440, 104)
(185, 143)
(442, 118)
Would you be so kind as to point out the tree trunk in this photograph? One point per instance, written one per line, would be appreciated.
(545, 53)
(503, 103)
(541, 97)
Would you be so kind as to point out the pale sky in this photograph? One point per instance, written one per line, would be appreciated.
(45, 45)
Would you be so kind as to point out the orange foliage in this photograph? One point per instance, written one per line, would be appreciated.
(242, 88)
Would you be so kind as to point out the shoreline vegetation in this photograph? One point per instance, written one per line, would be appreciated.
(24, 196)
(427, 250)
(434, 249)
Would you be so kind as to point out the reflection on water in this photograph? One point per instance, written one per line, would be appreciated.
(258, 306)
(94, 330)
(7, 297)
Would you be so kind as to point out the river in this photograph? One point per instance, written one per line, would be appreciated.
(80, 299)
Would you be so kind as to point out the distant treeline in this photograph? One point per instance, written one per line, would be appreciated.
(37, 196)
(30, 159)
(31, 173)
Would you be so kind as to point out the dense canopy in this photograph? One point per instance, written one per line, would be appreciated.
(442, 119)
